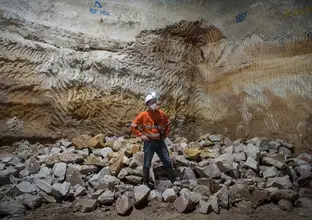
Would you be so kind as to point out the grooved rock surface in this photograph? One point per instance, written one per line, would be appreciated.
(65, 70)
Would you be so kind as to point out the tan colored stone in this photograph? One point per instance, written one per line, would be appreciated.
(81, 142)
(97, 141)
(192, 153)
(118, 163)
(92, 160)
(135, 148)
(111, 155)
(51, 160)
(207, 153)
(71, 157)
(203, 137)
(109, 144)
(132, 149)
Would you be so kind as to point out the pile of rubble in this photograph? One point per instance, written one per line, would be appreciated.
(211, 173)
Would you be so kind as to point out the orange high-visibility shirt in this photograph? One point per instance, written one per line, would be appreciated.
(150, 123)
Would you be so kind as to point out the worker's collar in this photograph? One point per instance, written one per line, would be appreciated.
(152, 111)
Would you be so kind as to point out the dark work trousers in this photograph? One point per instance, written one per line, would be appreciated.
(158, 146)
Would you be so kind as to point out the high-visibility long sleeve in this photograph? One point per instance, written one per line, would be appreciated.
(135, 126)
(167, 125)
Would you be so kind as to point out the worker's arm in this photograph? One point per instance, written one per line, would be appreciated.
(135, 126)
(167, 125)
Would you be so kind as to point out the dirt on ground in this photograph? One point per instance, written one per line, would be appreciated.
(162, 211)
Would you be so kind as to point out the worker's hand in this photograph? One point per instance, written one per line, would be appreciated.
(144, 138)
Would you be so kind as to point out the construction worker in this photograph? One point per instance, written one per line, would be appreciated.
(153, 127)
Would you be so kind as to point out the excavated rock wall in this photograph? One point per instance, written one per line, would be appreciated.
(72, 67)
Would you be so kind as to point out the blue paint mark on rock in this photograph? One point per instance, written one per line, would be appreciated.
(97, 9)
(97, 4)
(93, 11)
(240, 17)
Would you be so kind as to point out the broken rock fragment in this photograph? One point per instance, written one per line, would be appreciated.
(213, 203)
(64, 143)
(73, 177)
(192, 153)
(252, 163)
(81, 142)
(96, 161)
(118, 163)
(26, 187)
(306, 157)
(29, 201)
(169, 195)
(240, 156)
(123, 173)
(86, 169)
(9, 206)
(223, 197)
(137, 160)
(273, 162)
(141, 194)
(215, 138)
(63, 188)
(51, 160)
(239, 192)
(188, 173)
(59, 170)
(211, 170)
(47, 198)
(44, 186)
(210, 183)
(87, 205)
(285, 205)
(97, 178)
(279, 182)
(107, 198)
(103, 181)
(162, 185)
(47, 188)
(79, 190)
(123, 204)
(105, 151)
(203, 207)
(154, 194)
(203, 190)
(287, 194)
(252, 151)
(44, 172)
(84, 152)
(71, 158)
(183, 204)
(97, 193)
(259, 197)
(270, 172)
(97, 141)
(32, 165)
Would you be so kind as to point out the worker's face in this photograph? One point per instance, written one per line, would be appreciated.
(158, 102)
(152, 104)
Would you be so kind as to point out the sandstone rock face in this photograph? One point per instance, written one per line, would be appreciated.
(83, 73)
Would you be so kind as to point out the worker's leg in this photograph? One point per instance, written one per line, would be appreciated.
(163, 154)
(148, 156)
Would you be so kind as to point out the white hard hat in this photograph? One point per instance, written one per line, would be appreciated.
(148, 98)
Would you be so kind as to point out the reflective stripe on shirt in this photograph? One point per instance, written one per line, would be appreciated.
(150, 127)
(152, 135)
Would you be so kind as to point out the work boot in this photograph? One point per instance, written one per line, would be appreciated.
(171, 175)
(146, 179)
